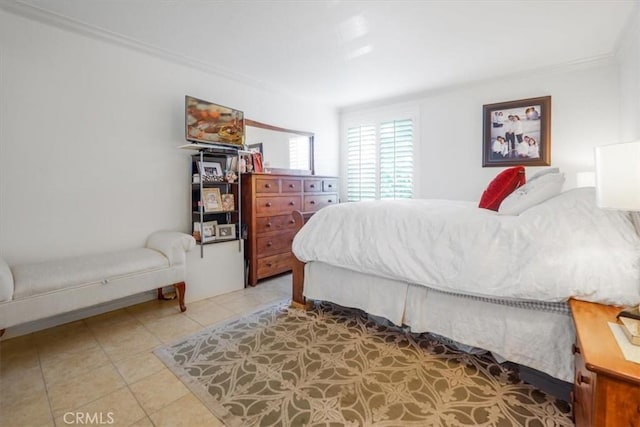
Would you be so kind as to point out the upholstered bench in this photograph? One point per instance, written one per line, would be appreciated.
(36, 291)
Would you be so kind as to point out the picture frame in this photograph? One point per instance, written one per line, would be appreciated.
(232, 164)
(245, 163)
(210, 169)
(517, 133)
(257, 162)
(209, 229)
(228, 202)
(211, 200)
(255, 148)
(226, 231)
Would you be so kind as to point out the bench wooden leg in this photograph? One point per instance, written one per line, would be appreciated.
(297, 289)
(297, 295)
(180, 289)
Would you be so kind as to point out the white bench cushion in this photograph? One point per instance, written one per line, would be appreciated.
(35, 279)
(6, 281)
(172, 244)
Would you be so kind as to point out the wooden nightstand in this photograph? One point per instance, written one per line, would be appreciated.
(606, 389)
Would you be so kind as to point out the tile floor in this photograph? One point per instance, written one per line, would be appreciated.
(104, 365)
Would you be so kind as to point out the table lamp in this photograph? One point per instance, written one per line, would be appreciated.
(618, 187)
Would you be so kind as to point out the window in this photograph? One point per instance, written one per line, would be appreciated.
(380, 161)
(299, 152)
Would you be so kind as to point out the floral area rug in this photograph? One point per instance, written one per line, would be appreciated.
(336, 366)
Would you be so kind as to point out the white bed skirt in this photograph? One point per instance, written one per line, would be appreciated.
(539, 339)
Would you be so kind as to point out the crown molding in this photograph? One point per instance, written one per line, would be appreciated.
(35, 13)
(580, 64)
(17, 7)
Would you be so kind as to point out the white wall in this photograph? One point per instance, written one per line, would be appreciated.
(585, 113)
(89, 131)
(628, 56)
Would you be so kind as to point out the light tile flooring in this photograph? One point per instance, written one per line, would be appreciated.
(105, 366)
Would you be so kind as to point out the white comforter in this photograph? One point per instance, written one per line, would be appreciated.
(564, 247)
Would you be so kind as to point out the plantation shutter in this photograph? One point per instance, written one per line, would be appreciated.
(361, 163)
(380, 161)
(299, 152)
(396, 159)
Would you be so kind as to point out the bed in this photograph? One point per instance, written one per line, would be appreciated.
(487, 280)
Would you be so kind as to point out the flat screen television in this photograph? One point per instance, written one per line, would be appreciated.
(209, 123)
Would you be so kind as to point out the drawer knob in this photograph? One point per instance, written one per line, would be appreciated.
(269, 243)
(267, 186)
(583, 380)
(575, 349)
(312, 202)
(330, 186)
(268, 225)
(292, 221)
(312, 186)
(291, 203)
(329, 201)
(291, 185)
(268, 204)
(269, 265)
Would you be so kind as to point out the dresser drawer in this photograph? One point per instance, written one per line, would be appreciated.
(277, 205)
(271, 265)
(329, 185)
(267, 185)
(312, 185)
(291, 185)
(275, 223)
(275, 244)
(313, 203)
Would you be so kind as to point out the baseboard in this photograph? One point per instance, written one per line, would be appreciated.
(72, 316)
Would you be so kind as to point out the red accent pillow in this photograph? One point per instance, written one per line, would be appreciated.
(501, 186)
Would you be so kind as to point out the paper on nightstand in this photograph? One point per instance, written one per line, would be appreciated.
(629, 351)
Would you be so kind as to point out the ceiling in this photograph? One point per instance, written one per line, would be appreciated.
(344, 53)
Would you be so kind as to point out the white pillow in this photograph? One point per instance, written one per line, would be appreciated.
(534, 192)
(543, 172)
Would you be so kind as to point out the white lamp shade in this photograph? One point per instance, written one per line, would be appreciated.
(618, 176)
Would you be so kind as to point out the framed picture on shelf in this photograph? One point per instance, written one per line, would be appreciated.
(226, 231)
(211, 200)
(210, 169)
(208, 232)
(245, 163)
(517, 133)
(257, 162)
(227, 202)
(232, 164)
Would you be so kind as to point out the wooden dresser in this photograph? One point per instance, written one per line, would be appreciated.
(268, 201)
(606, 390)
